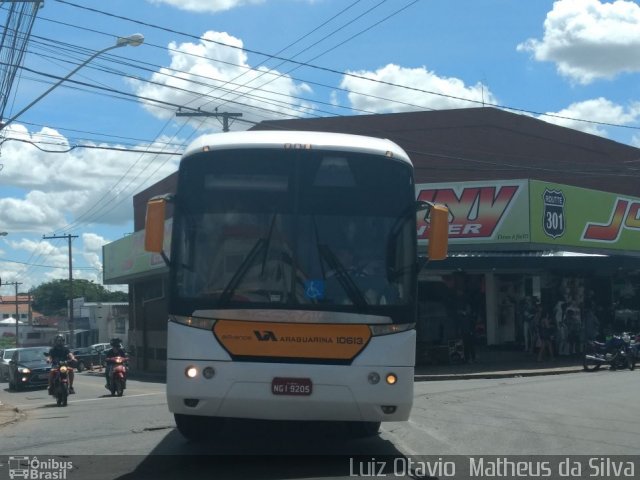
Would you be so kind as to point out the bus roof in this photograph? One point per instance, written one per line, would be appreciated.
(286, 139)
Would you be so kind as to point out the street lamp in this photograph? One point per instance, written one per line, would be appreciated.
(132, 40)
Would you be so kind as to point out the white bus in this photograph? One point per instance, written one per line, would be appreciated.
(293, 279)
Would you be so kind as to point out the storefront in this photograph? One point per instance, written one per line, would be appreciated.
(126, 261)
(524, 245)
(514, 242)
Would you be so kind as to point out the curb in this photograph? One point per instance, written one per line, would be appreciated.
(490, 375)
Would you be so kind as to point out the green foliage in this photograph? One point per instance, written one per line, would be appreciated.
(50, 298)
(7, 342)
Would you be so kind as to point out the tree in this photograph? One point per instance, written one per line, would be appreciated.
(50, 298)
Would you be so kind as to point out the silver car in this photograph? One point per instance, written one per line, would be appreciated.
(5, 356)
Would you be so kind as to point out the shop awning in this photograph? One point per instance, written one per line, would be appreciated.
(532, 261)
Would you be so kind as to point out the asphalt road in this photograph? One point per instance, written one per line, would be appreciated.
(573, 414)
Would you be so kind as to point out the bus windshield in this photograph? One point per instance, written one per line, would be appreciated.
(294, 229)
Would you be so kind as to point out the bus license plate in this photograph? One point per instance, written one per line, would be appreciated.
(291, 386)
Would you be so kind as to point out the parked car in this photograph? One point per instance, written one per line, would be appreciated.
(102, 349)
(5, 356)
(28, 367)
(87, 357)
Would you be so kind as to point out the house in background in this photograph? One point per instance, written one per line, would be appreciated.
(99, 322)
(31, 330)
(28, 335)
(25, 312)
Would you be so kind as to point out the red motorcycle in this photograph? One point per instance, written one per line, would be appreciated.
(60, 383)
(117, 379)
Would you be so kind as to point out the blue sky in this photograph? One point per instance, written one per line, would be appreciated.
(73, 161)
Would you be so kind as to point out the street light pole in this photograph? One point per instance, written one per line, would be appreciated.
(132, 40)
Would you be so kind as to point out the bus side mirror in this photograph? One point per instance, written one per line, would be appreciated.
(154, 224)
(438, 218)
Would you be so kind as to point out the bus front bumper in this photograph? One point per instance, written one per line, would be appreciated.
(248, 390)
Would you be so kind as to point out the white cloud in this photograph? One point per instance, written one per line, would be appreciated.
(211, 6)
(41, 253)
(590, 39)
(375, 96)
(92, 251)
(596, 110)
(49, 261)
(44, 192)
(210, 74)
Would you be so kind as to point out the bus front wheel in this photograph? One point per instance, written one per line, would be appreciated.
(195, 427)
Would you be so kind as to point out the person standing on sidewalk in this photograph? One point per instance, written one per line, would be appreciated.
(528, 321)
(572, 320)
(545, 333)
(467, 327)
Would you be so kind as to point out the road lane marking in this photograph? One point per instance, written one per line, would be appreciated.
(25, 405)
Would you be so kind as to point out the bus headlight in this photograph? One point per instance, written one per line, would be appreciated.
(208, 372)
(195, 322)
(391, 378)
(389, 328)
(191, 372)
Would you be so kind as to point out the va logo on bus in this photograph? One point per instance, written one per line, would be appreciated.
(265, 336)
(553, 221)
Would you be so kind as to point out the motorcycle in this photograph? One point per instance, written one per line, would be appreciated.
(60, 383)
(634, 345)
(117, 379)
(616, 351)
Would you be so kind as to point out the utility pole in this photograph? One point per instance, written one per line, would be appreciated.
(17, 312)
(225, 116)
(30, 316)
(72, 335)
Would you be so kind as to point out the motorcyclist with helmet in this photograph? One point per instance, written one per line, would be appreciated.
(59, 353)
(116, 350)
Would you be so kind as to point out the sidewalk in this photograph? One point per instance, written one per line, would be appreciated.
(492, 363)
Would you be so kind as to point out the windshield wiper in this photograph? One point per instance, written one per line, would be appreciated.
(227, 293)
(345, 280)
(260, 247)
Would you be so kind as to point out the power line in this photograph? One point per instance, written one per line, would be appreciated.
(72, 4)
(326, 22)
(44, 266)
(89, 147)
(248, 68)
(348, 74)
(13, 43)
(343, 42)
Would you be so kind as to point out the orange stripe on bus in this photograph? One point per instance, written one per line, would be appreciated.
(299, 340)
